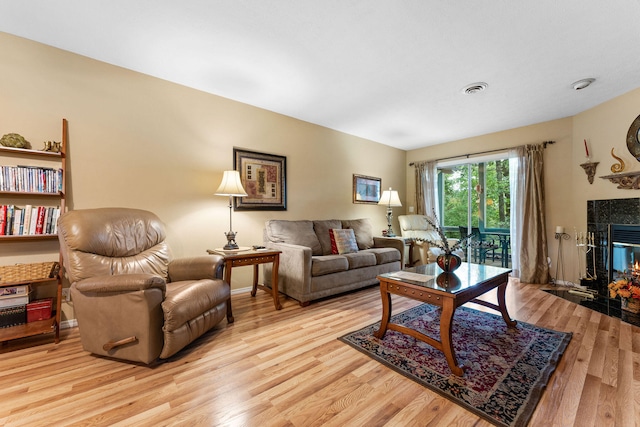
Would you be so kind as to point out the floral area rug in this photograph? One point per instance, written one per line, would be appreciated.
(508, 369)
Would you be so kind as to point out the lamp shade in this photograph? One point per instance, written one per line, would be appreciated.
(231, 185)
(390, 198)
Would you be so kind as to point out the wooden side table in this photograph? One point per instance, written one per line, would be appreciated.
(255, 258)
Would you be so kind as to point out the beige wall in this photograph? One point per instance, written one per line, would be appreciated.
(138, 141)
(567, 188)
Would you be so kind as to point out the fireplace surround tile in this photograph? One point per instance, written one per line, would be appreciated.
(601, 213)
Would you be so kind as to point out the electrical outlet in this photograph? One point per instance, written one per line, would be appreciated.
(66, 295)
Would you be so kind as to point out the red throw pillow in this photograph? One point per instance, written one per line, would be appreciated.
(343, 241)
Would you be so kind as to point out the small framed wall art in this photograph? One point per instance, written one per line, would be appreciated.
(366, 189)
(264, 178)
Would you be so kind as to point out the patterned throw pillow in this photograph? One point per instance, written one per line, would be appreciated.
(343, 241)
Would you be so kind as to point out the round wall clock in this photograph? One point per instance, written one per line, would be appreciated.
(633, 139)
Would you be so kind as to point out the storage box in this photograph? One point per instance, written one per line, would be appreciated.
(39, 310)
(12, 316)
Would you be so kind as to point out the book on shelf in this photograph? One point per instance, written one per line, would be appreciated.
(27, 219)
(17, 220)
(7, 292)
(34, 220)
(13, 301)
(3, 219)
(40, 219)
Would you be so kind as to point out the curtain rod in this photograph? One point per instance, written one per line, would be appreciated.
(544, 145)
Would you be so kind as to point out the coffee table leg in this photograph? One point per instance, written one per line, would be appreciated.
(386, 312)
(446, 320)
(503, 306)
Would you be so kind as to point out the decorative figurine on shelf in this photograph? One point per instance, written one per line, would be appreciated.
(52, 146)
(617, 167)
(14, 140)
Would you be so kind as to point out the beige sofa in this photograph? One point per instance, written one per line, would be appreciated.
(417, 227)
(308, 268)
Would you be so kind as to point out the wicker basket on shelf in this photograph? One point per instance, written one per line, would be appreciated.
(28, 272)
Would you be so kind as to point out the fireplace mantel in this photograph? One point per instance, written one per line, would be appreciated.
(626, 181)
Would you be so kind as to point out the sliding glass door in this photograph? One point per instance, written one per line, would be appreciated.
(475, 199)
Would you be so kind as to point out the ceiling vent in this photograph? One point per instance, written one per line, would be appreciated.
(474, 88)
(581, 84)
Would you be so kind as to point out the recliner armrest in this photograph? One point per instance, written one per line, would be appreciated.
(120, 283)
(196, 268)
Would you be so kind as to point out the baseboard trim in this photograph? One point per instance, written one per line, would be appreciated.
(67, 324)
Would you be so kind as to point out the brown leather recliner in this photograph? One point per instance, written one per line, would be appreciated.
(131, 300)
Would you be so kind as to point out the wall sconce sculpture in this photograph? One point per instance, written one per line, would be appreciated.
(617, 167)
(589, 167)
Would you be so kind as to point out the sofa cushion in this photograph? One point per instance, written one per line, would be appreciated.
(385, 255)
(343, 241)
(322, 227)
(363, 231)
(361, 259)
(327, 264)
(294, 232)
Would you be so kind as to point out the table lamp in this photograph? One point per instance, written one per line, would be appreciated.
(231, 186)
(390, 199)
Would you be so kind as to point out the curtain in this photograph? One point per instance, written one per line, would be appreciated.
(517, 168)
(426, 188)
(532, 240)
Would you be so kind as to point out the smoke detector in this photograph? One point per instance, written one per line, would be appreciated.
(474, 88)
(581, 84)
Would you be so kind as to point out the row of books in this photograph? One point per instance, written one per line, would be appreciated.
(16, 307)
(13, 305)
(32, 179)
(28, 220)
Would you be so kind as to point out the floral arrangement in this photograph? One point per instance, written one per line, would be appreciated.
(443, 243)
(625, 288)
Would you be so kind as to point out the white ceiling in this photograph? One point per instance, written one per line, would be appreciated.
(389, 71)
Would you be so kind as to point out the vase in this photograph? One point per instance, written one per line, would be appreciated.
(448, 262)
(631, 305)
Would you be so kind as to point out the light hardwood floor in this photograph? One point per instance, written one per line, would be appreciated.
(286, 368)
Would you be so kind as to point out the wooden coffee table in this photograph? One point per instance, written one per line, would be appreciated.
(428, 283)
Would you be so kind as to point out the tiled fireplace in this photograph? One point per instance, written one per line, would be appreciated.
(622, 217)
(600, 215)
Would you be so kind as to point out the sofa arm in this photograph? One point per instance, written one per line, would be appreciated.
(294, 272)
(391, 242)
(196, 268)
(121, 283)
